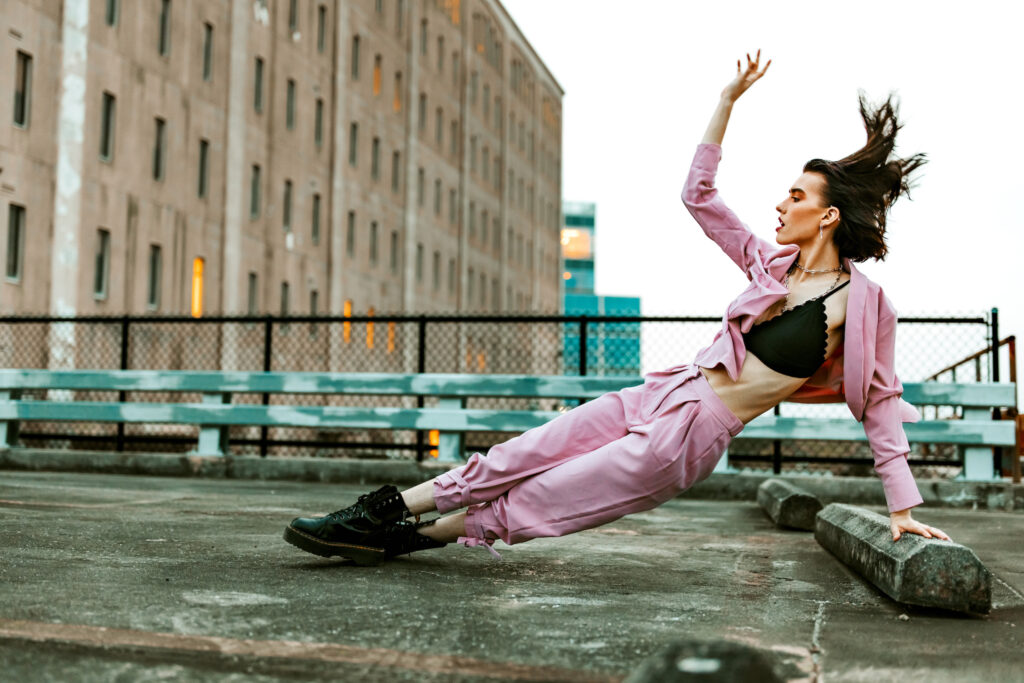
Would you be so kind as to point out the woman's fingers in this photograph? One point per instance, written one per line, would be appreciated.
(919, 529)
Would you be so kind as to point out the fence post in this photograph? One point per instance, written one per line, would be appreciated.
(995, 344)
(583, 345)
(268, 330)
(421, 367)
(123, 395)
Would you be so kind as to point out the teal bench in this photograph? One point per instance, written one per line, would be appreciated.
(975, 435)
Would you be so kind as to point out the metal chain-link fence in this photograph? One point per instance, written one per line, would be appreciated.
(538, 345)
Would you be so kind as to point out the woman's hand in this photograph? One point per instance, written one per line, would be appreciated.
(744, 79)
(901, 521)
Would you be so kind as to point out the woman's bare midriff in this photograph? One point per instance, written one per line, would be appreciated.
(757, 390)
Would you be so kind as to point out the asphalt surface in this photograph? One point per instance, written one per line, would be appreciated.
(107, 577)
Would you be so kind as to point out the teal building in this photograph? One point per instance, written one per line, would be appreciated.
(612, 348)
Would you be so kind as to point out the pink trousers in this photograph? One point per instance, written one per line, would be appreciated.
(623, 452)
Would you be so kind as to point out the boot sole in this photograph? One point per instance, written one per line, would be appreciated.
(360, 554)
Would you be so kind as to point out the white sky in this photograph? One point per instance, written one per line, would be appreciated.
(642, 79)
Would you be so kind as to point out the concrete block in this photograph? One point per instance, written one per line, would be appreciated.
(787, 504)
(913, 570)
(717, 661)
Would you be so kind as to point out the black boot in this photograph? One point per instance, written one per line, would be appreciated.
(356, 532)
(402, 538)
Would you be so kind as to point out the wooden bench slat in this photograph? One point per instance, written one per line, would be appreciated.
(982, 394)
(511, 386)
(989, 432)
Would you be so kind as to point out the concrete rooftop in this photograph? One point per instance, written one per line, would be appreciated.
(106, 577)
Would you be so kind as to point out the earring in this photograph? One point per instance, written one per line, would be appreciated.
(821, 234)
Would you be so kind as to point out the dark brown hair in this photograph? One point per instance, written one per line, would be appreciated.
(865, 184)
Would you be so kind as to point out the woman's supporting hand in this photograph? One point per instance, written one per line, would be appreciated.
(901, 521)
(744, 79)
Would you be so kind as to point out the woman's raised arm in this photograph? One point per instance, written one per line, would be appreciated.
(744, 79)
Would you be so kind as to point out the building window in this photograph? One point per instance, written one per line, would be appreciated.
(486, 162)
(483, 232)
(495, 293)
(155, 269)
(423, 37)
(451, 276)
(397, 103)
(112, 12)
(484, 218)
(353, 143)
(316, 219)
(293, 15)
(373, 243)
(107, 129)
(254, 192)
(453, 146)
(286, 217)
(375, 159)
(22, 89)
(440, 54)
(487, 100)
(474, 82)
(207, 51)
(399, 16)
(355, 58)
(101, 276)
(455, 69)
(204, 161)
(394, 251)
(158, 149)
(257, 97)
(472, 153)
(437, 197)
(377, 66)
(395, 171)
(346, 327)
(483, 290)
(197, 287)
(472, 220)
(439, 126)
(318, 123)
(369, 328)
(379, 7)
(437, 270)
(451, 207)
(423, 111)
(469, 287)
(321, 25)
(285, 298)
(350, 235)
(289, 111)
(314, 305)
(419, 262)
(15, 240)
(420, 182)
(164, 42)
(253, 303)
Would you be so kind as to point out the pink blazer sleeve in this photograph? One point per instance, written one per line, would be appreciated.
(702, 200)
(883, 419)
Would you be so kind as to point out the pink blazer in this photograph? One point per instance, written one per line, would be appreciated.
(861, 372)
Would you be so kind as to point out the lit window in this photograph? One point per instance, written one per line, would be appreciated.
(197, 287)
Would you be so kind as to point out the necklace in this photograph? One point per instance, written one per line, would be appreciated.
(797, 264)
(785, 302)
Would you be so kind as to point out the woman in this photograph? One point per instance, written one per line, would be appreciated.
(796, 333)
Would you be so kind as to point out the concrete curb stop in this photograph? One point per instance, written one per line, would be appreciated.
(717, 661)
(787, 504)
(914, 570)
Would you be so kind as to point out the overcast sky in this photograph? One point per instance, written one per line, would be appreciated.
(642, 79)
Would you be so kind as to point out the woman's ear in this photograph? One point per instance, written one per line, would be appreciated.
(831, 217)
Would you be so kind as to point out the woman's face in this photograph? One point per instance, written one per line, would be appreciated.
(804, 210)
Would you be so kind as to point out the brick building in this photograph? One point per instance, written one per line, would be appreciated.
(296, 156)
